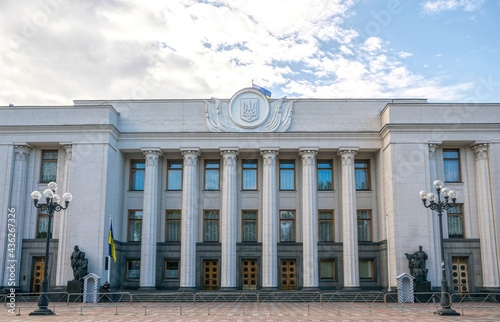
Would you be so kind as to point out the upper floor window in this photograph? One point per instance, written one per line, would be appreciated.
(212, 174)
(325, 175)
(326, 227)
(137, 168)
(49, 166)
(451, 160)
(364, 225)
(211, 226)
(287, 174)
(249, 168)
(174, 175)
(249, 225)
(134, 225)
(43, 224)
(173, 225)
(456, 221)
(287, 225)
(362, 174)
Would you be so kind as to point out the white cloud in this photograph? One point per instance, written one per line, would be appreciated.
(404, 54)
(437, 6)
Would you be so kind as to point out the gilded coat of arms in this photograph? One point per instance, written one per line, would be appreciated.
(249, 109)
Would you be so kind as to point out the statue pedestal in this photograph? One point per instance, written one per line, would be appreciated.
(423, 287)
(75, 288)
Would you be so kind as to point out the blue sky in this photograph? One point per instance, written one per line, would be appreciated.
(55, 51)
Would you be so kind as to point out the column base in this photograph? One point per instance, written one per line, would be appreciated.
(351, 289)
(228, 289)
(310, 289)
(446, 311)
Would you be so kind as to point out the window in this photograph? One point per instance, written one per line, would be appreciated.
(212, 174)
(49, 166)
(137, 175)
(43, 224)
(451, 160)
(174, 175)
(249, 225)
(249, 176)
(326, 227)
(173, 225)
(364, 225)
(171, 269)
(327, 269)
(287, 225)
(366, 269)
(287, 174)
(134, 225)
(325, 175)
(211, 226)
(362, 168)
(133, 268)
(456, 221)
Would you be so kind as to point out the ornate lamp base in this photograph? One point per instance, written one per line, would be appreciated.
(42, 311)
(446, 311)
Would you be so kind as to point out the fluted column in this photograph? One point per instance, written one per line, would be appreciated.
(310, 217)
(189, 222)
(63, 268)
(436, 272)
(228, 218)
(487, 234)
(149, 219)
(17, 202)
(269, 219)
(349, 217)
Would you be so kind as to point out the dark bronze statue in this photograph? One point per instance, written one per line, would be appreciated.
(79, 264)
(416, 263)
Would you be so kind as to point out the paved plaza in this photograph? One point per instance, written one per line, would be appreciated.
(253, 312)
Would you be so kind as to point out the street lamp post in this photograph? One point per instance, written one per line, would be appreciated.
(440, 206)
(52, 205)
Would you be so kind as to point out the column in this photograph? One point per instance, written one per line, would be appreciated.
(17, 202)
(349, 218)
(149, 219)
(63, 268)
(310, 217)
(487, 235)
(229, 217)
(189, 213)
(269, 219)
(435, 277)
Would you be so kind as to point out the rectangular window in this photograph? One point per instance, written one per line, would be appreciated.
(171, 269)
(133, 268)
(249, 225)
(173, 225)
(326, 226)
(212, 174)
(137, 168)
(366, 269)
(451, 160)
(49, 166)
(287, 225)
(327, 269)
(249, 168)
(174, 175)
(325, 175)
(287, 174)
(211, 226)
(364, 225)
(134, 225)
(43, 224)
(456, 221)
(362, 168)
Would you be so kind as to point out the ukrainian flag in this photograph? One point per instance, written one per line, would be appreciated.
(112, 252)
(263, 90)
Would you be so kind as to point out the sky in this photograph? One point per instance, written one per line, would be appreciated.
(57, 51)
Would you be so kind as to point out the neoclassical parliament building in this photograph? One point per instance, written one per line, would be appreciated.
(251, 193)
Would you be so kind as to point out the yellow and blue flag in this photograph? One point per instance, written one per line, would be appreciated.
(263, 90)
(112, 251)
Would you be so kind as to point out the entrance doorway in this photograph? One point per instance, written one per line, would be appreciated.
(38, 269)
(460, 275)
(249, 274)
(211, 274)
(288, 274)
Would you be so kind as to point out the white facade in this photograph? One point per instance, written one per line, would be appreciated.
(401, 142)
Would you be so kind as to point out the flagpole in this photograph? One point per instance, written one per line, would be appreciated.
(109, 255)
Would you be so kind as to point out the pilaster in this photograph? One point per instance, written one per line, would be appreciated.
(63, 254)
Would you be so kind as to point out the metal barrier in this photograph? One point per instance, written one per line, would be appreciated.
(285, 297)
(471, 301)
(124, 298)
(226, 297)
(419, 298)
(55, 299)
(352, 297)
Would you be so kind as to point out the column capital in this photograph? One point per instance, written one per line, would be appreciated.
(69, 151)
(480, 151)
(304, 152)
(347, 154)
(229, 156)
(21, 151)
(186, 152)
(269, 155)
(432, 150)
(152, 156)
